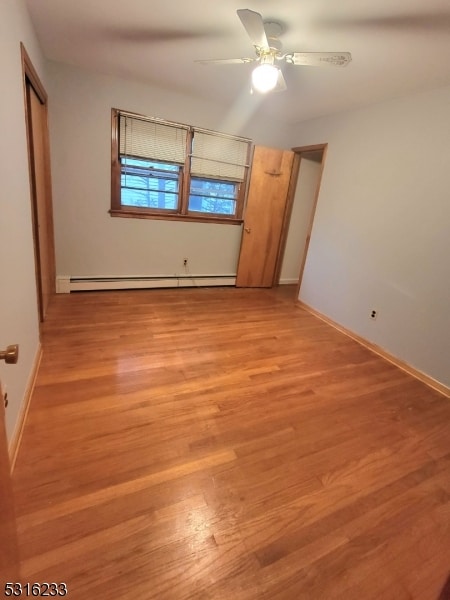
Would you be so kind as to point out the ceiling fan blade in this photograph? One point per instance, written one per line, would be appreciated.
(319, 59)
(254, 26)
(226, 61)
(281, 82)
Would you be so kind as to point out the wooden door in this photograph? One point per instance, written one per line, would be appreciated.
(40, 182)
(9, 556)
(264, 217)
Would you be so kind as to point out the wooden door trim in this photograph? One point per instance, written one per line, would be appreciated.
(30, 76)
(34, 220)
(312, 148)
(30, 73)
(300, 150)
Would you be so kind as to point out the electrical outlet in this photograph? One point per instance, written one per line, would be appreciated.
(185, 261)
(373, 314)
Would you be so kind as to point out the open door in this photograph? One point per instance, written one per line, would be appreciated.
(264, 217)
(9, 555)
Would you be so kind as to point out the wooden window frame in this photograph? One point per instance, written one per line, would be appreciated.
(182, 212)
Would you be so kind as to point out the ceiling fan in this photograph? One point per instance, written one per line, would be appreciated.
(264, 36)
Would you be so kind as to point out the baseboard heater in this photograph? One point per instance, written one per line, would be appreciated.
(65, 285)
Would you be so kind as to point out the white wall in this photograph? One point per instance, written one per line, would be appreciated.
(305, 193)
(18, 300)
(89, 242)
(381, 235)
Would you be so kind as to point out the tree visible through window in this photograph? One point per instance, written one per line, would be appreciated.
(211, 196)
(169, 170)
(149, 184)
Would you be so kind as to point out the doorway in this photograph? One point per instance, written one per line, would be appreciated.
(283, 193)
(36, 115)
(308, 167)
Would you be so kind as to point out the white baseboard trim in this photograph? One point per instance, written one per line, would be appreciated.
(288, 281)
(16, 437)
(66, 284)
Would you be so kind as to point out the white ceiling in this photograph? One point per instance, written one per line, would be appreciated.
(397, 47)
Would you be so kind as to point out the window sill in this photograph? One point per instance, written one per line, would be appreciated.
(139, 214)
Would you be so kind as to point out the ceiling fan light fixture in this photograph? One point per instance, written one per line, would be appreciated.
(264, 35)
(264, 78)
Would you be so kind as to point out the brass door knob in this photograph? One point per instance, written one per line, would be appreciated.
(247, 229)
(10, 355)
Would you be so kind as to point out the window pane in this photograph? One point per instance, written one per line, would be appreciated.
(149, 184)
(213, 196)
(143, 199)
(212, 187)
(141, 162)
(207, 205)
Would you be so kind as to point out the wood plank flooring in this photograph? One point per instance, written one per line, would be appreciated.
(225, 444)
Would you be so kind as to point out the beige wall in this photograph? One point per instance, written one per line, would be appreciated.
(381, 231)
(88, 241)
(18, 302)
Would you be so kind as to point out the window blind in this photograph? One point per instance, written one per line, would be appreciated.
(218, 156)
(153, 139)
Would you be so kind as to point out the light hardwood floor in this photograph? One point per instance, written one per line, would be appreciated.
(226, 444)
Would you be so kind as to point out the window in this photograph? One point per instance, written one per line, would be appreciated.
(172, 171)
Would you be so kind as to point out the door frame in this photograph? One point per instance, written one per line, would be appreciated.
(299, 152)
(30, 77)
